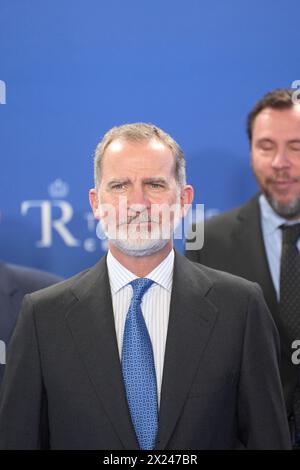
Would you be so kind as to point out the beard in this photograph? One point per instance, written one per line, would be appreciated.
(142, 234)
(288, 210)
(139, 247)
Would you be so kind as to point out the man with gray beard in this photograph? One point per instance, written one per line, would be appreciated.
(260, 241)
(145, 350)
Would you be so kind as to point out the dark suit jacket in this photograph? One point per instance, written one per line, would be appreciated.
(63, 385)
(15, 282)
(233, 242)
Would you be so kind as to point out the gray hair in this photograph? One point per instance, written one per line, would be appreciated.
(139, 132)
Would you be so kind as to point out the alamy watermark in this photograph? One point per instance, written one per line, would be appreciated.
(159, 222)
(2, 92)
(2, 352)
(296, 94)
(296, 353)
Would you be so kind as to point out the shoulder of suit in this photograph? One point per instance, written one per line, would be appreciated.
(29, 279)
(197, 272)
(224, 280)
(225, 217)
(229, 218)
(58, 289)
(64, 292)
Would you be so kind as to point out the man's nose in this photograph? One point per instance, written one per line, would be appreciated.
(138, 197)
(280, 160)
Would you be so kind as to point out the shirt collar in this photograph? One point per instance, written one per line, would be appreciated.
(271, 219)
(119, 276)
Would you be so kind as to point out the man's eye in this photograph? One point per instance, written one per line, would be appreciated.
(295, 147)
(119, 186)
(266, 146)
(156, 185)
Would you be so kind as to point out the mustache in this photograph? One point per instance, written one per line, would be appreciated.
(138, 218)
(282, 177)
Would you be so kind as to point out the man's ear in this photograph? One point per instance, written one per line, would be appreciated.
(94, 202)
(186, 198)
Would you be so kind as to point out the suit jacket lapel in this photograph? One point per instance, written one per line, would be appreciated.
(92, 325)
(248, 239)
(191, 320)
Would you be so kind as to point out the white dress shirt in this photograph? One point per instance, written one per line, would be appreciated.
(155, 305)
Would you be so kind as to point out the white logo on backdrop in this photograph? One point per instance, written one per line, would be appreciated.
(58, 191)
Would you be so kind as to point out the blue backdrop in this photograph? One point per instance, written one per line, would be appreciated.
(70, 70)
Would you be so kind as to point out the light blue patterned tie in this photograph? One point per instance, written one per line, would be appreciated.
(139, 370)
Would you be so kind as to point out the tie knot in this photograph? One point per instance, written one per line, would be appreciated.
(140, 286)
(290, 233)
